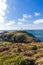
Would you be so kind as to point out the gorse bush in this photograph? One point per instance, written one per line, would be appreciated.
(27, 62)
(34, 47)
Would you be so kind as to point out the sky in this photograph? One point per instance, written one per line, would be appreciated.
(21, 14)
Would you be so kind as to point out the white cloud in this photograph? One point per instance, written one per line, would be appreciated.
(27, 16)
(3, 8)
(20, 23)
(37, 14)
(7, 26)
(39, 21)
(21, 19)
(1, 19)
(24, 17)
(10, 23)
(13, 25)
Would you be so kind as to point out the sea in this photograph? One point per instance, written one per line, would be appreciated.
(36, 33)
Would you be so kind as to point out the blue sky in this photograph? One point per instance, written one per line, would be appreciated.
(21, 14)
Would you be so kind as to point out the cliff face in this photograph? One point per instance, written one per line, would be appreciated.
(19, 36)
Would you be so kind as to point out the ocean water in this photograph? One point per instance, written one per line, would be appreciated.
(37, 33)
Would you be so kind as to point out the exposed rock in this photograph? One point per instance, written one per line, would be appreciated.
(19, 37)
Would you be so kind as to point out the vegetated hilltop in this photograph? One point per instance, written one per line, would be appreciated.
(19, 37)
(21, 54)
(14, 49)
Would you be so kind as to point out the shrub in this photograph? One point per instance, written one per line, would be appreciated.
(27, 62)
(34, 47)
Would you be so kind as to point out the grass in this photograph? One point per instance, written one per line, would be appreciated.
(19, 37)
(4, 43)
(21, 53)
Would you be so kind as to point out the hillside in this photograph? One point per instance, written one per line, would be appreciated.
(21, 54)
(20, 48)
(19, 37)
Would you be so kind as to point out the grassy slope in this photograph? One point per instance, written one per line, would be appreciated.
(21, 54)
(12, 53)
(19, 36)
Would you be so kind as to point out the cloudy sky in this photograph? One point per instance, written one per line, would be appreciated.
(21, 14)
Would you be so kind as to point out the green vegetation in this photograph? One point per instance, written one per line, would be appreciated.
(4, 43)
(20, 48)
(21, 54)
(19, 37)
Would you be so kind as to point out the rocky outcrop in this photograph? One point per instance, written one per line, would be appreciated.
(19, 37)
